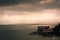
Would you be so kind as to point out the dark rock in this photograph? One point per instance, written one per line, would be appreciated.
(56, 30)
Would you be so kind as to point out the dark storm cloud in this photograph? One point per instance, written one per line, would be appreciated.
(55, 4)
(9, 2)
(13, 2)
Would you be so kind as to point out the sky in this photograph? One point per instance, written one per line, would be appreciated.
(29, 12)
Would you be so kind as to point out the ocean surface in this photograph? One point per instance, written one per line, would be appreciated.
(21, 32)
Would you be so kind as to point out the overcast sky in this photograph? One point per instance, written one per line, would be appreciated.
(29, 12)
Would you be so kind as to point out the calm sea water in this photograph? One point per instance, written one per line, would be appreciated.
(21, 32)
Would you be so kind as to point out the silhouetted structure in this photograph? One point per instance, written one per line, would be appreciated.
(41, 29)
(56, 30)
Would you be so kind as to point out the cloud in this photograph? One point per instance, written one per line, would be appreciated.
(30, 13)
(25, 17)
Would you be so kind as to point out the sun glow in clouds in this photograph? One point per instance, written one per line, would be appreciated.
(40, 17)
(48, 17)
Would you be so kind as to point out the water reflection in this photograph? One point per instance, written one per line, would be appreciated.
(11, 32)
(48, 38)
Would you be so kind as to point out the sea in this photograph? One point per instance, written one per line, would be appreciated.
(21, 32)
